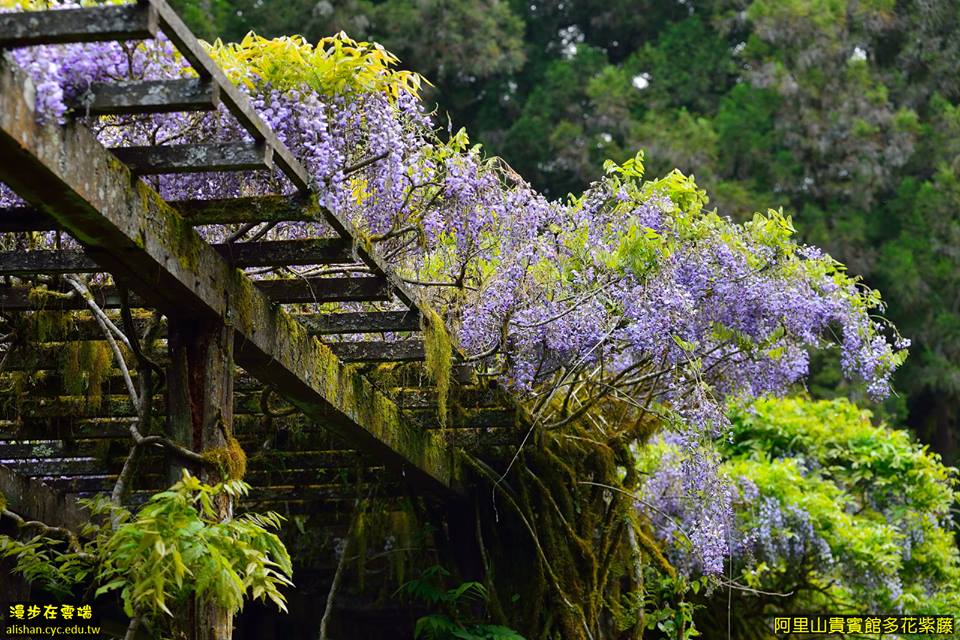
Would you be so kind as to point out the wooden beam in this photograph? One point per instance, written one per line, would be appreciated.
(83, 327)
(260, 478)
(194, 158)
(479, 440)
(24, 219)
(112, 405)
(472, 397)
(92, 24)
(273, 253)
(18, 263)
(250, 428)
(379, 351)
(239, 254)
(481, 418)
(295, 208)
(148, 96)
(363, 322)
(65, 172)
(318, 290)
(280, 291)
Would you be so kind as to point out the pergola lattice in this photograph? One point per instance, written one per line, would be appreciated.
(55, 447)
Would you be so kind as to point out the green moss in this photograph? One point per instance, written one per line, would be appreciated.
(41, 296)
(185, 242)
(48, 326)
(243, 301)
(438, 350)
(86, 366)
(231, 459)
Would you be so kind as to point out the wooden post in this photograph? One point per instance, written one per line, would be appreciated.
(200, 416)
(13, 588)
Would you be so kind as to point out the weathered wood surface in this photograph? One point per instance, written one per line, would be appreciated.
(280, 291)
(306, 290)
(300, 207)
(379, 351)
(195, 158)
(363, 322)
(13, 263)
(426, 398)
(245, 403)
(32, 499)
(296, 208)
(148, 96)
(94, 24)
(66, 173)
(270, 253)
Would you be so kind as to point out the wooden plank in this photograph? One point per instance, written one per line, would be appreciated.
(363, 322)
(85, 328)
(194, 158)
(285, 291)
(35, 501)
(320, 290)
(286, 252)
(116, 405)
(14, 263)
(426, 398)
(379, 351)
(250, 429)
(94, 24)
(103, 483)
(24, 219)
(70, 176)
(63, 467)
(480, 440)
(295, 208)
(483, 418)
(24, 299)
(239, 254)
(148, 96)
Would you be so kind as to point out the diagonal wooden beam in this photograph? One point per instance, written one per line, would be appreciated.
(128, 228)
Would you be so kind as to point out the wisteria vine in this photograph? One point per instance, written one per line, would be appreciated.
(631, 295)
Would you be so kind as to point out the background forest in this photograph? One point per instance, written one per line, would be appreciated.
(844, 113)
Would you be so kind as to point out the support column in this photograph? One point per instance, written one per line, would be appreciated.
(13, 588)
(200, 416)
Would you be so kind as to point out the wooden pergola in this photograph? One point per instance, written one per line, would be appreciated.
(242, 355)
